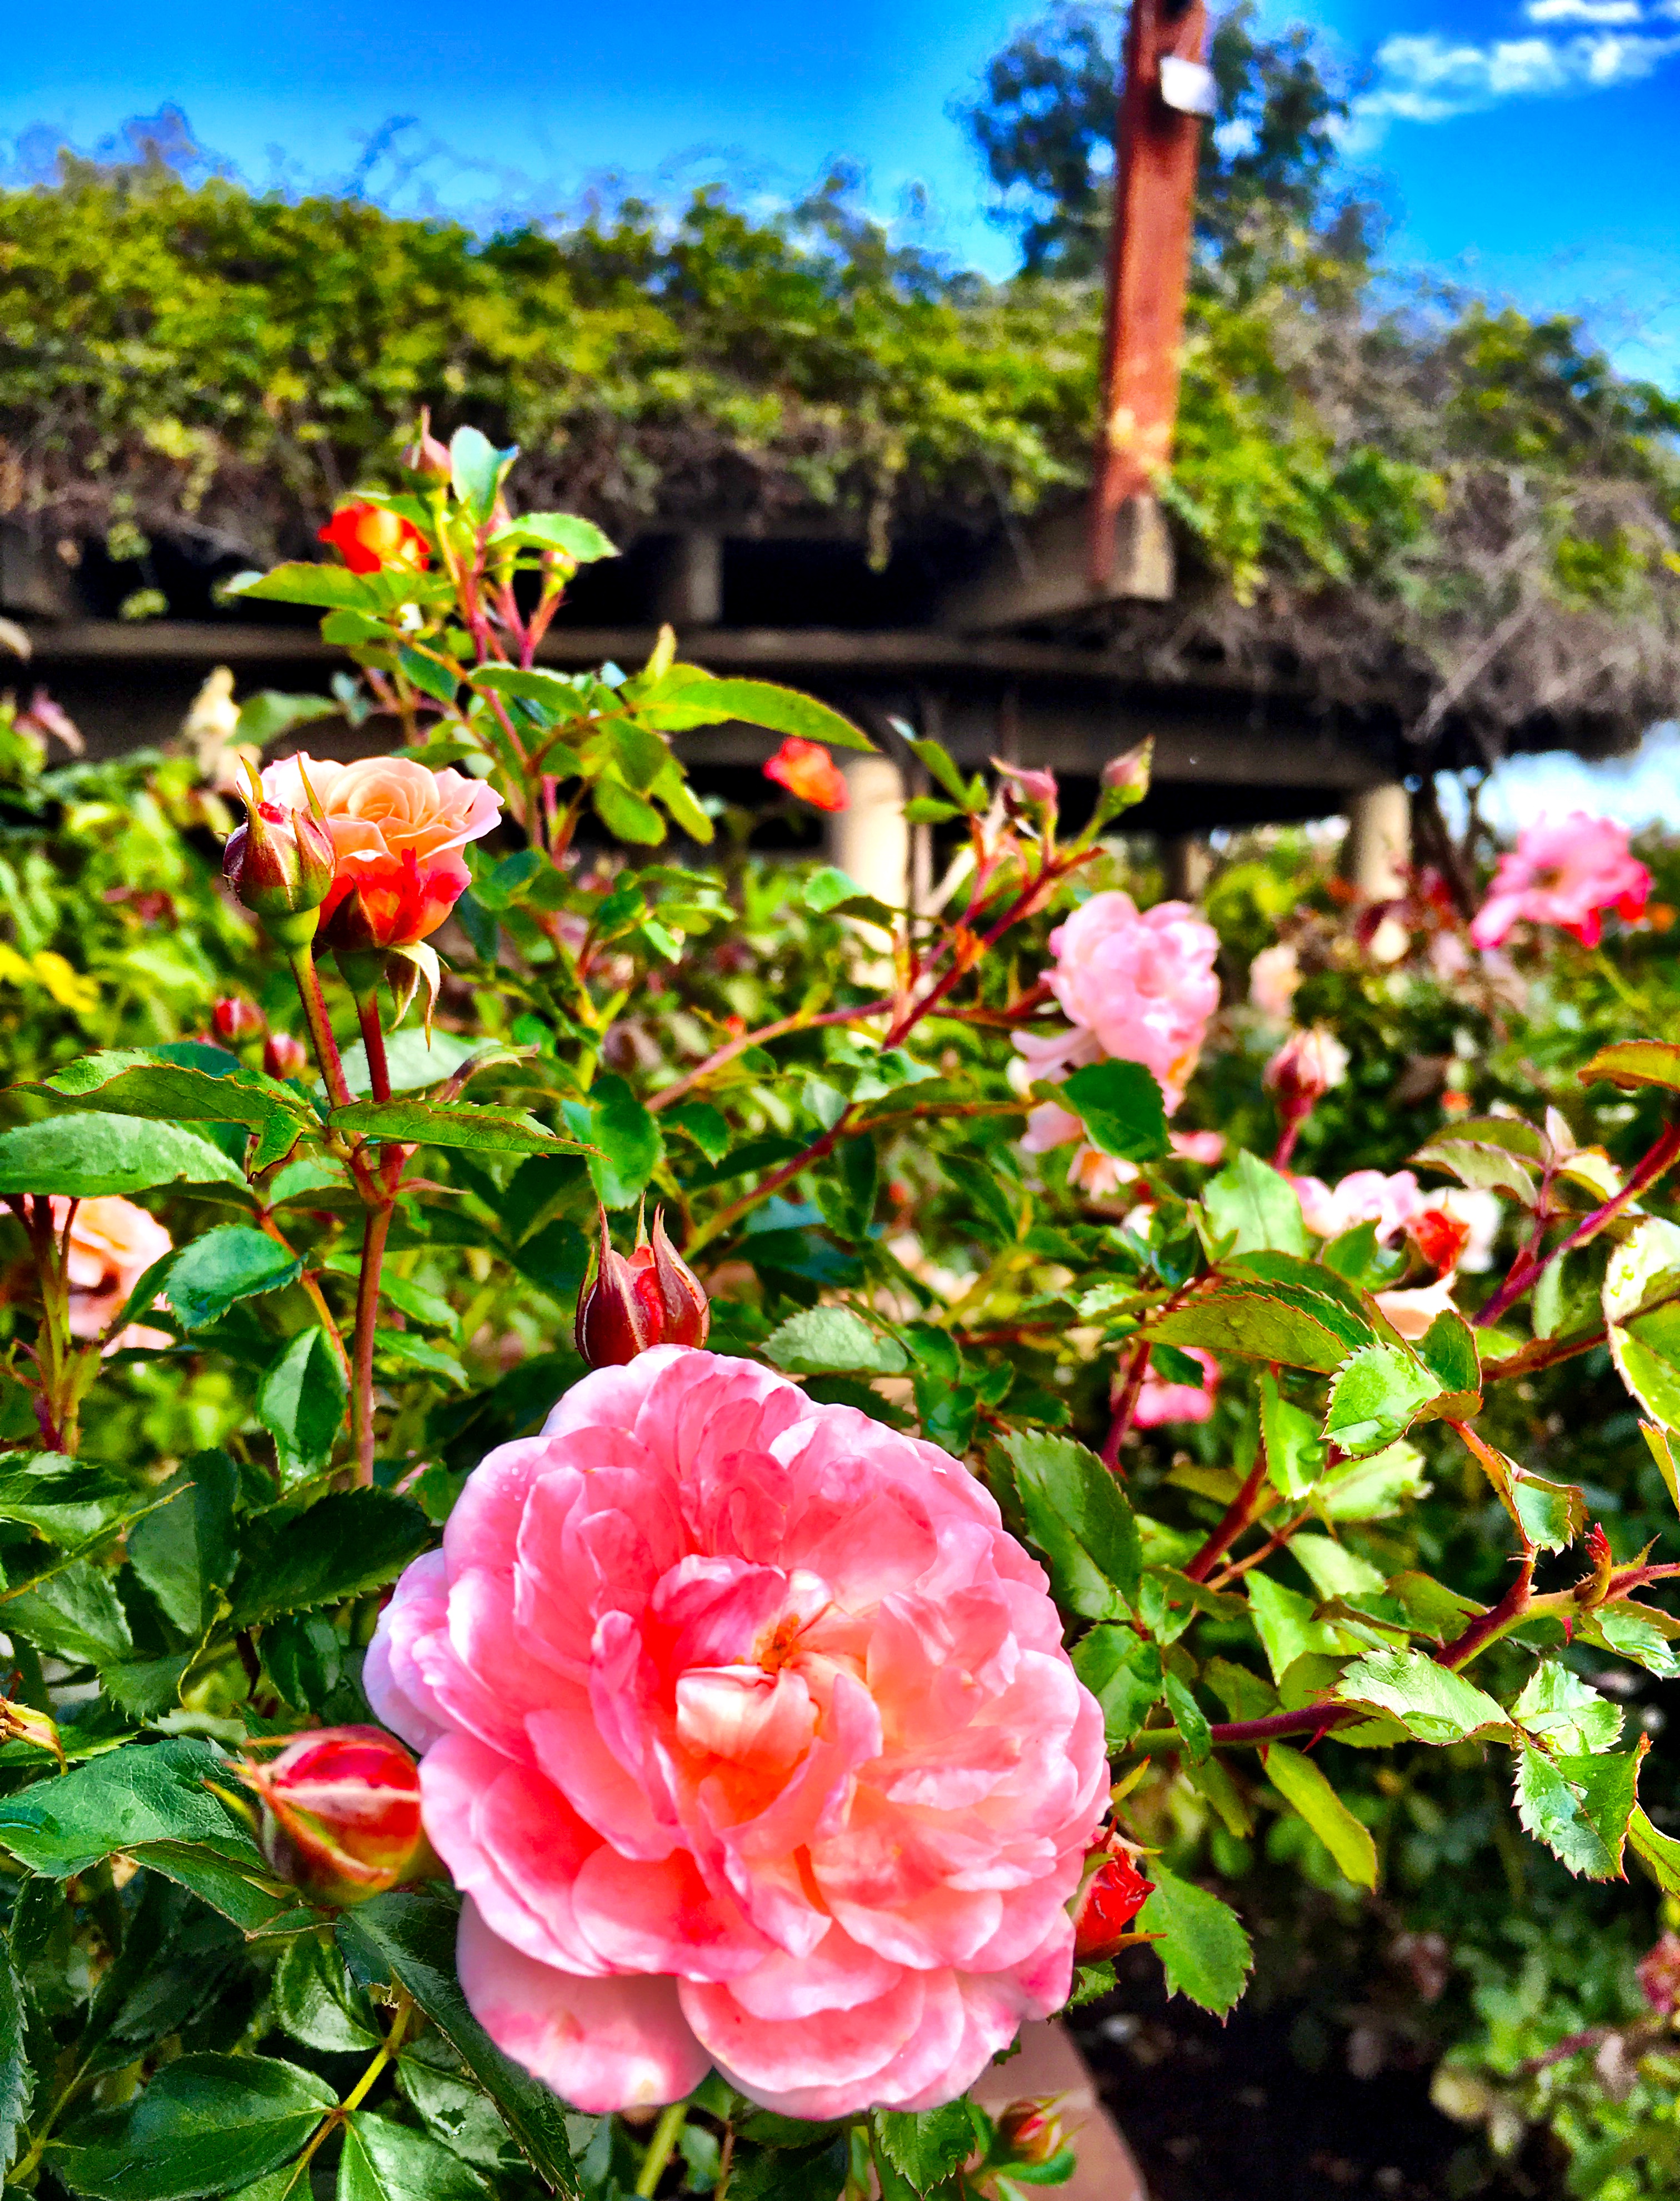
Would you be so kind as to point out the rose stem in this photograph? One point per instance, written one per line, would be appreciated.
(660, 2148)
(307, 977)
(374, 1233)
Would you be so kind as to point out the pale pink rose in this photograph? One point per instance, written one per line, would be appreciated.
(112, 1244)
(1412, 1312)
(1365, 1197)
(1564, 872)
(1204, 1146)
(1273, 976)
(1448, 957)
(750, 1740)
(1159, 1401)
(1142, 983)
(1099, 1175)
(397, 833)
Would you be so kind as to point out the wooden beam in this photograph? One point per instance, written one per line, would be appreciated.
(1158, 134)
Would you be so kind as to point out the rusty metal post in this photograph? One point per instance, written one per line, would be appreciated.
(1158, 132)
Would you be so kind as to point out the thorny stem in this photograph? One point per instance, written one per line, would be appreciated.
(1237, 1516)
(1126, 1407)
(373, 1043)
(669, 1095)
(660, 2147)
(374, 1234)
(1661, 1156)
(311, 1282)
(1494, 1622)
(320, 1030)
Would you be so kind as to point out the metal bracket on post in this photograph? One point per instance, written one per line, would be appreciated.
(1166, 90)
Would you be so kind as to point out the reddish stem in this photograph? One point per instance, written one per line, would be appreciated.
(1661, 1155)
(1482, 1630)
(1136, 1369)
(1237, 1516)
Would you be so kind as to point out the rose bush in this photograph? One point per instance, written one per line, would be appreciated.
(1286, 1454)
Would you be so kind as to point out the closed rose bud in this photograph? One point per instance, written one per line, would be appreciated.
(280, 864)
(1030, 2131)
(341, 1814)
(426, 455)
(649, 1297)
(1029, 794)
(1110, 1899)
(1125, 779)
(806, 769)
(1439, 1237)
(1305, 1068)
(235, 1019)
(367, 536)
(284, 1056)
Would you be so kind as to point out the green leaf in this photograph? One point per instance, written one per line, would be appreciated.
(1255, 1202)
(1123, 1671)
(328, 588)
(386, 2162)
(1646, 1349)
(1374, 1398)
(1299, 1782)
(1294, 1453)
(1658, 1853)
(430, 1123)
(1122, 1108)
(189, 1083)
(832, 892)
(832, 1339)
(581, 540)
(625, 815)
(414, 1057)
(1375, 1488)
(301, 1402)
(1635, 1632)
(67, 1502)
(74, 1615)
(264, 717)
(410, 1938)
(343, 1545)
(686, 697)
(1285, 1624)
(184, 1551)
(399, 1353)
(1334, 1570)
(1579, 1807)
(205, 2125)
(935, 761)
(708, 1127)
(17, 2076)
(1077, 1515)
(1633, 1063)
(1188, 1717)
(1557, 1705)
(88, 1156)
(1257, 1325)
(475, 472)
(213, 1272)
(318, 2004)
(626, 1137)
(1487, 1155)
(1447, 1349)
(1550, 1514)
(927, 2146)
(454, 2109)
(1429, 1700)
(142, 1793)
(1202, 1948)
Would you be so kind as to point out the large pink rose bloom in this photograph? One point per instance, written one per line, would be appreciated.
(1564, 871)
(749, 1738)
(397, 833)
(1144, 983)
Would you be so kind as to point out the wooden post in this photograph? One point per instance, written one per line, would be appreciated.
(1156, 146)
(1379, 841)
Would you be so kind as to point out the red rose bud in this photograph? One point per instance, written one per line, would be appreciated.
(1110, 1899)
(235, 1019)
(1305, 1068)
(1439, 1237)
(1030, 2131)
(1029, 794)
(283, 1056)
(279, 863)
(341, 1814)
(806, 769)
(1659, 1974)
(367, 536)
(649, 1297)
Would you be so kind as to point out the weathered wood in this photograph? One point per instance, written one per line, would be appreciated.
(1042, 570)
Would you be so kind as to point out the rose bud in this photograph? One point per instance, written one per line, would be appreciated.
(341, 1814)
(1305, 1068)
(1030, 2131)
(649, 1297)
(284, 1056)
(367, 536)
(235, 1019)
(1026, 795)
(806, 769)
(1125, 779)
(1659, 1974)
(1439, 1237)
(1105, 1905)
(280, 864)
(426, 455)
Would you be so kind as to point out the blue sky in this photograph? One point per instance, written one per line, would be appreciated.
(1527, 147)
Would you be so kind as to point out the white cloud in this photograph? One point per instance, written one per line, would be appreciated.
(1429, 78)
(1583, 11)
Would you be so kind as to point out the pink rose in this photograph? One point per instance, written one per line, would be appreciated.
(1159, 1401)
(112, 1244)
(750, 1740)
(397, 833)
(1565, 872)
(1365, 1197)
(1142, 983)
(1273, 976)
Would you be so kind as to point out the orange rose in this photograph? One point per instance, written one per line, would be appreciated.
(112, 1244)
(367, 536)
(806, 769)
(397, 833)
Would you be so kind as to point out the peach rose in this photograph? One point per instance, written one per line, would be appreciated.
(112, 1244)
(749, 1738)
(397, 833)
